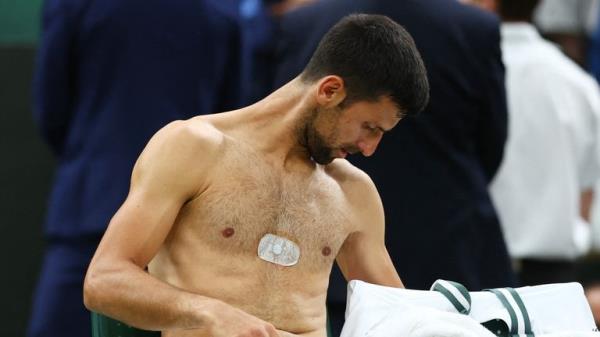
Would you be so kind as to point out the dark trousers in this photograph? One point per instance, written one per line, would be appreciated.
(58, 309)
(335, 314)
(534, 272)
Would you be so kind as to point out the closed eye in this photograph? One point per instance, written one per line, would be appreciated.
(370, 127)
(374, 128)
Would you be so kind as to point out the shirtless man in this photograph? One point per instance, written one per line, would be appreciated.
(239, 216)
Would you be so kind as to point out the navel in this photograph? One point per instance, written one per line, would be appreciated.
(326, 251)
(228, 232)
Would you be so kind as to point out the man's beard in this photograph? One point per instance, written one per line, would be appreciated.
(317, 147)
(322, 148)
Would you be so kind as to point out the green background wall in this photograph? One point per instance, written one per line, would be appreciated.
(25, 166)
(19, 22)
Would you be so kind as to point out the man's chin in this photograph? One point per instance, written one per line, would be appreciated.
(323, 160)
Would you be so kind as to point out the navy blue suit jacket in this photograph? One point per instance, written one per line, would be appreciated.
(109, 75)
(432, 171)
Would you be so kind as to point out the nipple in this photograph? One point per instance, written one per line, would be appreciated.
(228, 232)
(326, 251)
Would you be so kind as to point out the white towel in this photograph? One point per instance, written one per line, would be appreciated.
(415, 321)
(571, 334)
(552, 309)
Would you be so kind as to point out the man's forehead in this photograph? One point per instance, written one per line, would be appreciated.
(386, 104)
(389, 109)
(383, 108)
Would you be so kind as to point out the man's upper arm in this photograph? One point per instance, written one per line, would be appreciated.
(363, 255)
(167, 175)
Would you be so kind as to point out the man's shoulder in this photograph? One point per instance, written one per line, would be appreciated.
(359, 191)
(351, 179)
(343, 171)
(195, 135)
(181, 155)
(197, 129)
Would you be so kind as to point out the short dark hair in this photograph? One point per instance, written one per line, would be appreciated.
(517, 10)
(375, 57)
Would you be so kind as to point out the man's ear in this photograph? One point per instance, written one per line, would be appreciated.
(331, 91)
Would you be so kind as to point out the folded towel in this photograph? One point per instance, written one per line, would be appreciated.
(543, 311)
(415, 321)
(571, 334)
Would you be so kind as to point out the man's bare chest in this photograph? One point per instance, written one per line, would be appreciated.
(245, 204)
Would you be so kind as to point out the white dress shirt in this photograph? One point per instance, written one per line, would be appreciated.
(552, 152)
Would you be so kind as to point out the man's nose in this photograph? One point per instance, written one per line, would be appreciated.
(368, 146)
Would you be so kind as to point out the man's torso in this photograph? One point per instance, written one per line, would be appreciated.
(212, 249)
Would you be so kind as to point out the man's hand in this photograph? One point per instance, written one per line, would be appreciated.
(232, 322)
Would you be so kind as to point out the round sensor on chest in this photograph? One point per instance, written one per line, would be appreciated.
(278, 250)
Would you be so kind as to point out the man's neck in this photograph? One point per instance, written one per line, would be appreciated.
(277, 124)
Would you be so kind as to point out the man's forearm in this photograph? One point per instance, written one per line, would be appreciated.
(585, 204)
(131, 295)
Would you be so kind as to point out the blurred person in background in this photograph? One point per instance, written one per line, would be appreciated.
(574, 26)
(552, 153)
(433, 171)
(552, 158)
(544, 188)
(109, 75)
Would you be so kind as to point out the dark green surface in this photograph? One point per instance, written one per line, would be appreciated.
(25, 174)
(19, 21)
(497, 327)
(103, 326)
